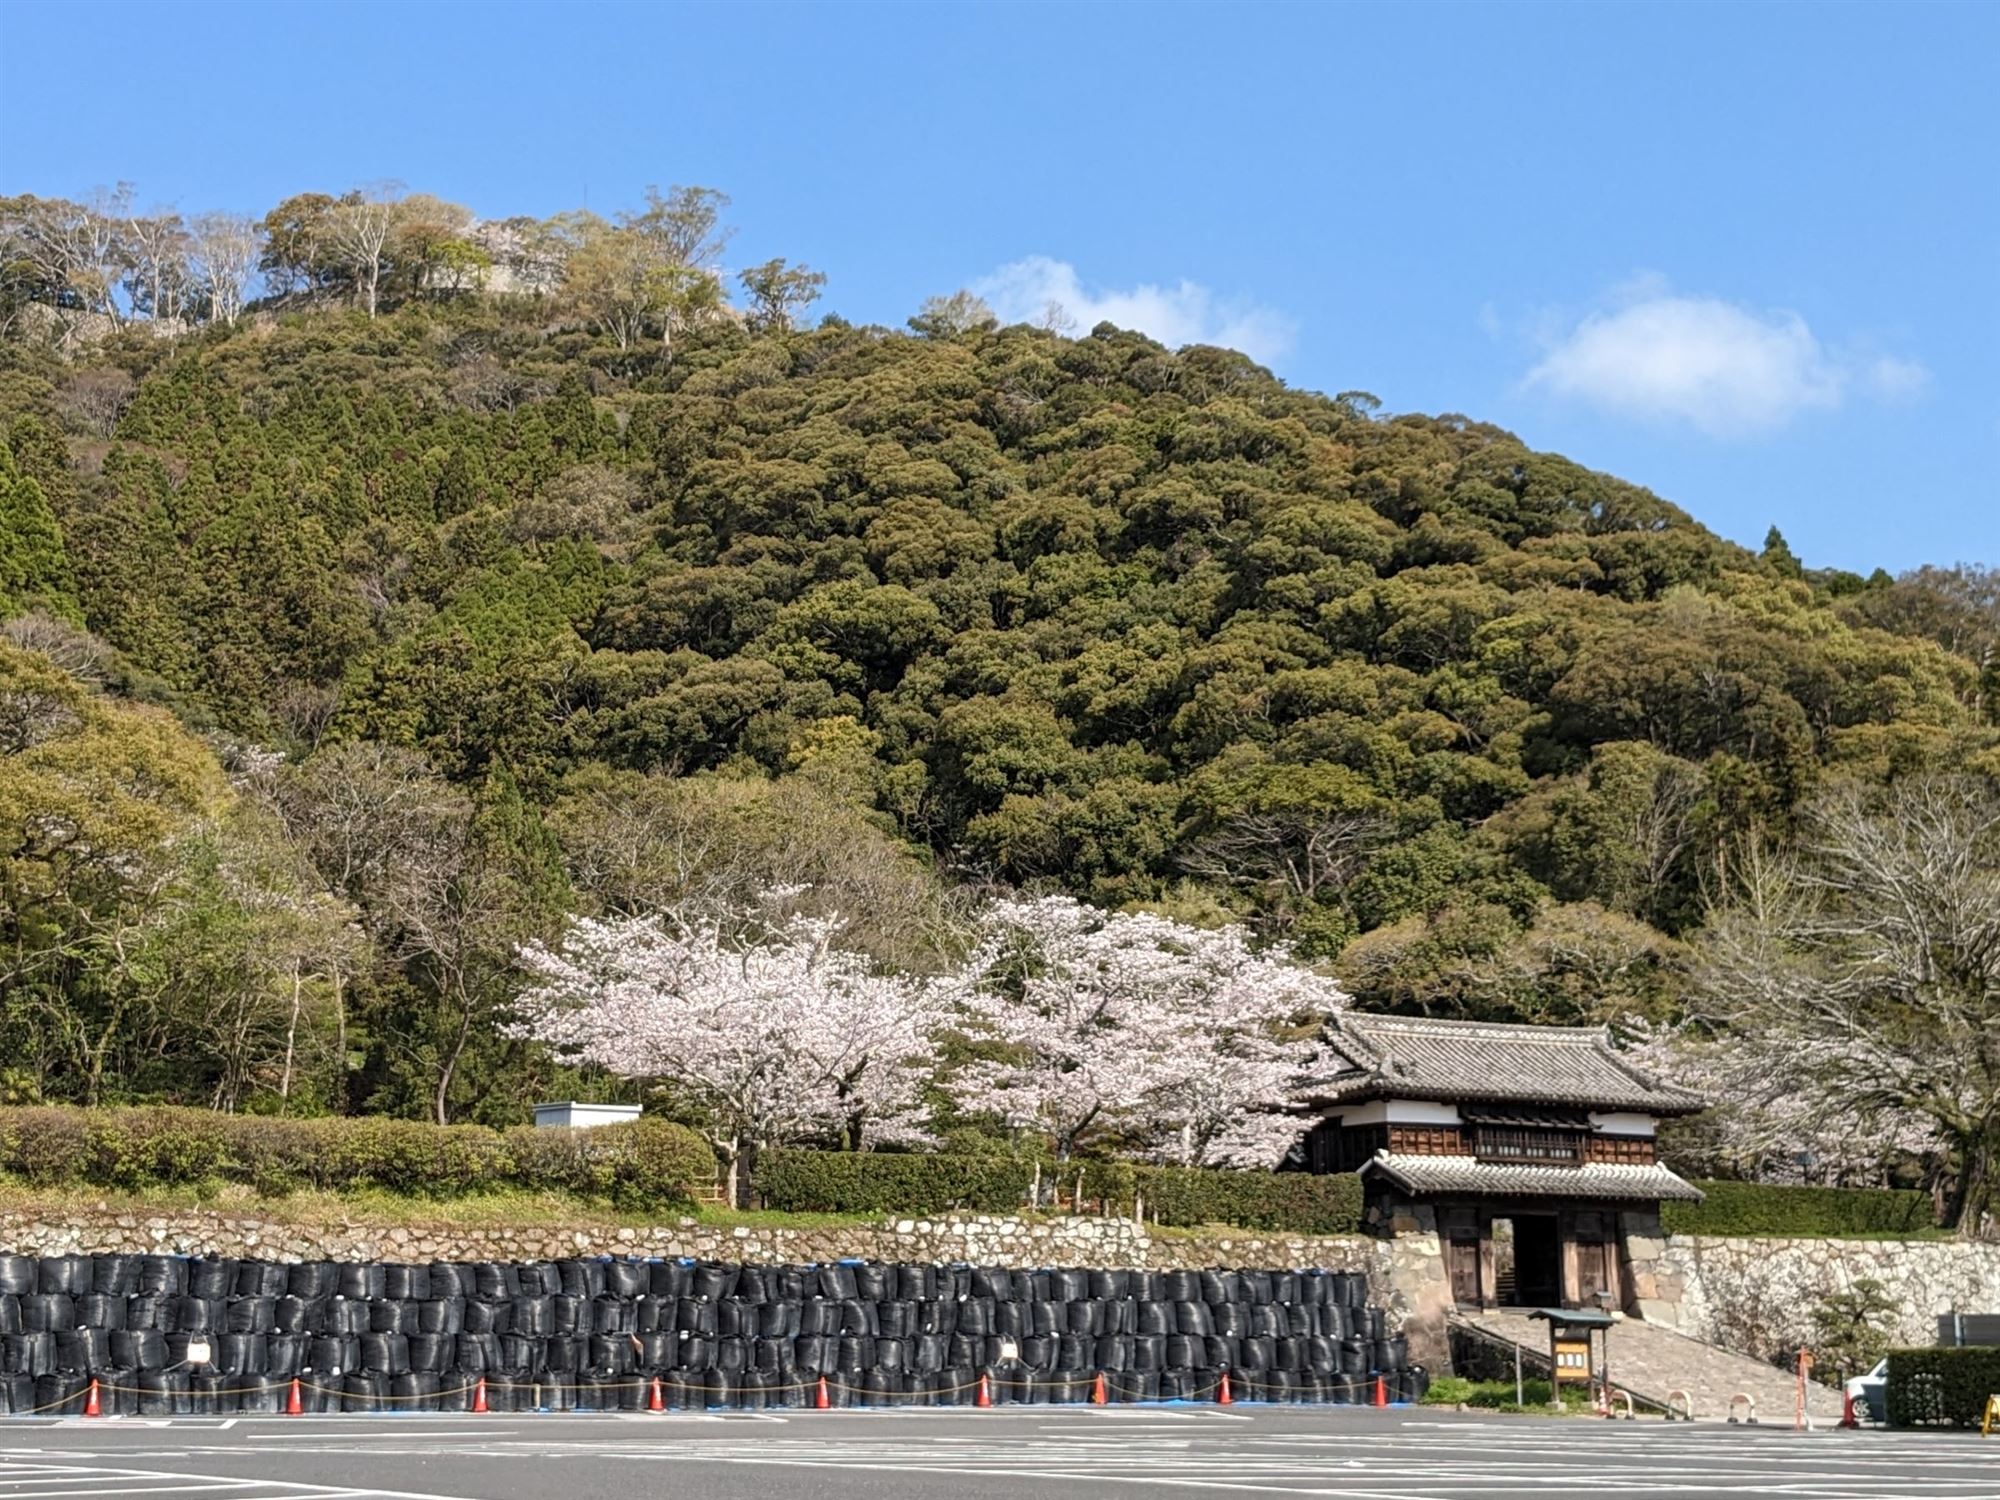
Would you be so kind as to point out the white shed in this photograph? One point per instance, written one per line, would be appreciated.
(568, 1113)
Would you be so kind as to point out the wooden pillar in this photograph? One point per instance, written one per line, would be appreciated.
(1571, 1279)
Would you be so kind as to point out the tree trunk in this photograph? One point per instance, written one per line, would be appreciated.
(291, 1036)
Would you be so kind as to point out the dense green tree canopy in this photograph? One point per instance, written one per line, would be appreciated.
(974, 603)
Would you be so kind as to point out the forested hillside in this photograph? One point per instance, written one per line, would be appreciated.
(347, 653)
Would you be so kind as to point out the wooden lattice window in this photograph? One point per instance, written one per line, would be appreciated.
(1510, 1143)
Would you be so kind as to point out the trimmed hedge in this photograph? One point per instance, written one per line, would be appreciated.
(799, 1181)
(1745, 1208)
(1186, 1197)
(642, 1163)
(1941, 1387)
(870, 1182)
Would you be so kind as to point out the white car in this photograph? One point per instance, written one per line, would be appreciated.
(1870, 1394)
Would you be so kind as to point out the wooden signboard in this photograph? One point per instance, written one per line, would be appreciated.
(1571, 1359)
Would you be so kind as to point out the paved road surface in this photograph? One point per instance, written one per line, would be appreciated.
(1006, 1454)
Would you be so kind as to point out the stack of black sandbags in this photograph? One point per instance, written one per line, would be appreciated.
(164, 1335)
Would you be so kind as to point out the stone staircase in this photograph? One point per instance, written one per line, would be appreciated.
(1651, 1361)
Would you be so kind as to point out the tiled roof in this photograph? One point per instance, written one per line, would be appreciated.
(1461, 1174)
(1414, 1058)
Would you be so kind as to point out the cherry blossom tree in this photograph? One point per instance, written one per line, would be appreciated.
(1137, 1026)
(766, 1028)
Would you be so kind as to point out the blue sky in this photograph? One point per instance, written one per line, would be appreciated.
(1743, 254)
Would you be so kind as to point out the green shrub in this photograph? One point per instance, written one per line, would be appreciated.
(1804, 1212)
(1448, 1390)
(862, 1182)
(1292, 1202)
(1941, 1387)
(647, 1162)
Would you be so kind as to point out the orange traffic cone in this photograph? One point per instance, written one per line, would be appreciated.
(1222, 1396)
(820, 1401)
(1847, 1416)
(1097, 1395)
(91, 1408)
(1381, 1392)
(656, 1401)
(294, 1407)
(479, 1396)
(985, 1396)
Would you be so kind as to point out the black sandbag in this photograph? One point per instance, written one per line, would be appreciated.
(930, 1352)
(1114, 1352)
(385, 1353)
(194, 1349)
(811, 1353)
(448, 1278)
(609, 1353)
(895, 1320)
(146, 1311)
(29, 1354)
(441, 1317)
(1355, 1355)
(96, 1310)
(871, 1281)
(393, 1317)
(520, 1356)
(697, 1315)
(241, 1353)
(432, 1353)
(407, 1393)
(1010, 1319)
(19, 1275)
(83, 1349)
(311, 1280)
(289, 1314)
(1121, 1315)
(819, 1315)
(669, 1278)
(114, 1275)
(937, 1317)
(915, 1283)
(260, 1278)
(144, 1350)
(1043, 1319)
(1103, 1285)
(778, 1320)
(733, 1318)
(258, 1314)
(347, 1316)
(531, 1316)
(856, 1352)
(891, 1354)
(1193, 1318)
(581, 1278)
(330, 1354)
(1291, 1352)
(1231, 1319)
(693, 1352)
(495, 1281)
(62, 1394)
(1183, 1352)
(47, 1312)
(285, 1354)
(562, 1355)
(966, 1349)
(976, 1315)
(1322, 1353)
(1085, 1317)
(1257, 1352)
(161, 1276)
(992, 1284)
(211, 1279)
(1267, 1319)
(488, 1317)
(396, 1282)
(882, 1387)
(1314, 1287)
(1218, 1353)
(206, 1393)
(364, 1390)
(162, 1393)
(1296, 1319)
(65, 1275)
(360, 1281)
(1149, 1351)
(1391, 1353)
(720, 1391)
(625, 1278)
(653, 1351)
(1154, 1317)
(1376, 1324)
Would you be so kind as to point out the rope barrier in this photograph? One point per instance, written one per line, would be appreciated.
(1225, 1387)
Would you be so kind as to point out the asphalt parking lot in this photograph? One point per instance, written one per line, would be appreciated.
(1019, 1453)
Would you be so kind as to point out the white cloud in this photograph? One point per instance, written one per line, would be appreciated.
(1717, 366)
(1186, 313)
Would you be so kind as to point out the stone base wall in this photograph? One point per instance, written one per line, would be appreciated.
(1757, 1295)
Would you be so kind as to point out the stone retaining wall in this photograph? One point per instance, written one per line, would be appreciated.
(1757, 1294)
